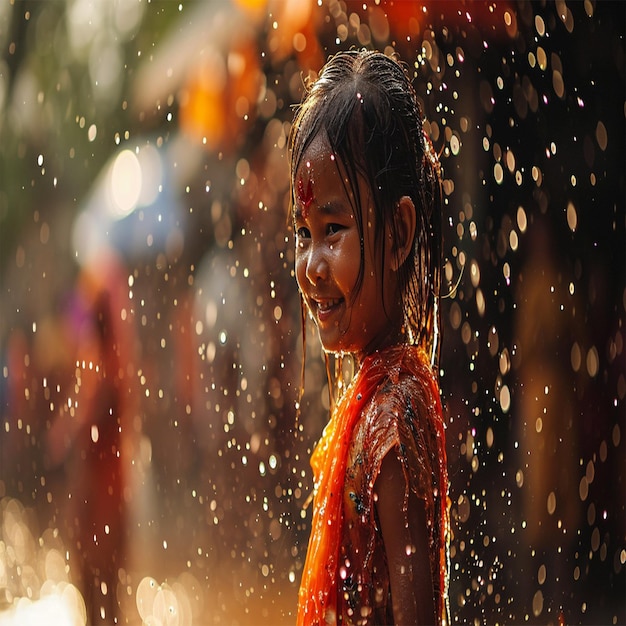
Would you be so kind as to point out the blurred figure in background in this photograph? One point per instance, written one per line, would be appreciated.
(91, 433)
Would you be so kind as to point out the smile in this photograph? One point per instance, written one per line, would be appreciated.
(325, 308)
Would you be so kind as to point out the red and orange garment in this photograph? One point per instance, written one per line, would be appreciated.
(317, 599)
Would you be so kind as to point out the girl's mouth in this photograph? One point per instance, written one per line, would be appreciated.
(326, 308)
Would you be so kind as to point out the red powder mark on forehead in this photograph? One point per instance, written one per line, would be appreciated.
(305, 196)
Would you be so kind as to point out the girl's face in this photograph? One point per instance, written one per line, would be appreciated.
(328, 257)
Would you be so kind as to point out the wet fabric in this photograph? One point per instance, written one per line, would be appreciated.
(391, 406)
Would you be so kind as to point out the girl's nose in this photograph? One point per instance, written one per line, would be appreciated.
(316, 264)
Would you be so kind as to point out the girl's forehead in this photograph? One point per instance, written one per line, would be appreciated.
(322, 177)
(316, 171)
(305, 195)
(319, 151)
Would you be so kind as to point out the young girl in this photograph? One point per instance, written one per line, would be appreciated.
(367, 218)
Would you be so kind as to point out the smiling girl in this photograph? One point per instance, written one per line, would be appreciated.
(366, 202)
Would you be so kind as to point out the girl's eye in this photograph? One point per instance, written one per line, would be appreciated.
(333, 229)
(303, 232)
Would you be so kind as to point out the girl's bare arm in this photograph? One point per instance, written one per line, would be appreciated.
(405, 535)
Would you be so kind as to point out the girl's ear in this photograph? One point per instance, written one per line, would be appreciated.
(405, 232)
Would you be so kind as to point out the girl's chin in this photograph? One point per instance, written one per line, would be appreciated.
(336, 344)
(330, 344)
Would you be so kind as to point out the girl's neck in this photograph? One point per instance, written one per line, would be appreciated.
(396, 335)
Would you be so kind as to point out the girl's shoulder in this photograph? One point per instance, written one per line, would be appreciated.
(399, 413)
(402, 393)
(384, 420)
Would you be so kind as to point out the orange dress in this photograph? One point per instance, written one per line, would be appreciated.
(391, 406)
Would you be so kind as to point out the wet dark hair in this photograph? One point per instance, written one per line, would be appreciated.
(365, 104)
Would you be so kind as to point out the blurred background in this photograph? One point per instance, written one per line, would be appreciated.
(151, 467)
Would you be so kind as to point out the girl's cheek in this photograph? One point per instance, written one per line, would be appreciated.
(299, 267)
